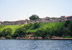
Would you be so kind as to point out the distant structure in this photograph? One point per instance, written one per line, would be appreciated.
(0, 22)
(41, 20)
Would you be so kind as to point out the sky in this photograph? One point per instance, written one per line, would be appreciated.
(12, 10)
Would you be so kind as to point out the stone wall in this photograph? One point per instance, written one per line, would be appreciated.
(41, 20)
(0, 22)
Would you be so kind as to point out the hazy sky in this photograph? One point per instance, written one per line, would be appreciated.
(11, 10)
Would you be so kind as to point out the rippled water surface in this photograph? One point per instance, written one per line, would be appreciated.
(35, 44)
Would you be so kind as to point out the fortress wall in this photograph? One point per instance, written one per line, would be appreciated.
(41, 20)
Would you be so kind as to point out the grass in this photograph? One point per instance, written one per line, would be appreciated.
(53, 25)
(42, 25)
(13, 27)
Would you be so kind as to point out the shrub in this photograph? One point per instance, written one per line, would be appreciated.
(6, 32)
(8, 37)
(35, 26)
(20, 32)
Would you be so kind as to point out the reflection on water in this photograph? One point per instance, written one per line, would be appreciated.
(35, 44)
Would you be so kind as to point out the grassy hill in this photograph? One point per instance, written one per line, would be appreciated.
(54, 25)
(13, 27)
(62, 29)
(30, 29)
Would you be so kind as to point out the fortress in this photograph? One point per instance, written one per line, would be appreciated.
(41, 20)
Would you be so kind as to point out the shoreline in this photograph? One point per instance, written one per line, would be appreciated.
(36, 38)
(39, 39)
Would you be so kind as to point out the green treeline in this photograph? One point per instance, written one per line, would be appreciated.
(58, 29)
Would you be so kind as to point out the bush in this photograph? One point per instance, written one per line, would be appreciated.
(67, 23)
(28, 26)
(6, 32)
(8, 37)
(35, 26)
(20, 32)
(1, 34)
(41, 33)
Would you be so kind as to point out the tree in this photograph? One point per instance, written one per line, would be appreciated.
(34, 17)
(47, 18)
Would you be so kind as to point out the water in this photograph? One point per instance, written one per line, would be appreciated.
(35, 44)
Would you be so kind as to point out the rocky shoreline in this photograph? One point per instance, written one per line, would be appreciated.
(38, 38)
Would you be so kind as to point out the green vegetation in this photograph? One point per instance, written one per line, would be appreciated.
(20, 32)
(44, 30)
(13, 27)
(34, 17)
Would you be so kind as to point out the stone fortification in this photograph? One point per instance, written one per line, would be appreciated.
(41, 20)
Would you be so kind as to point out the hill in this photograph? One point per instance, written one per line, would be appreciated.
(60, 29)
(31, 29)
(13, 27)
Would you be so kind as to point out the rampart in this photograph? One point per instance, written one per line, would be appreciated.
(41, 20)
